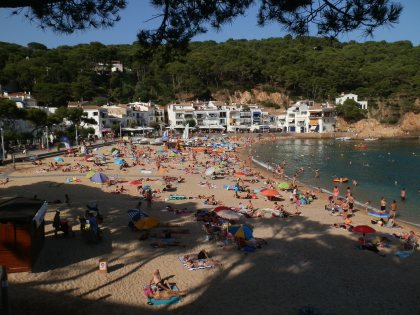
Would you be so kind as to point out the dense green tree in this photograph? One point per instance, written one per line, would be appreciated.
(351, 111)
(9, 112)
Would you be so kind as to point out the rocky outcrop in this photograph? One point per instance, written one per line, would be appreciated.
(411, 122)
(255, 96)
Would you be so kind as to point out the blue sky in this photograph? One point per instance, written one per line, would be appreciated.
(17, 29)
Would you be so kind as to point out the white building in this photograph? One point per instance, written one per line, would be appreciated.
(344, 97)
(304, 116)
(217, 116)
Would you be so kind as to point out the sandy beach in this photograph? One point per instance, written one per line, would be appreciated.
(306, 264)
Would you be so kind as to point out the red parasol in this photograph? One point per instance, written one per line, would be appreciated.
(240, 174)
(269, 192)
(220, 208)
(135, 182)
(364, 229)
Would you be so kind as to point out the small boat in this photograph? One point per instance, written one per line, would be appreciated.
(341, 179)
(370, 139)
(343, 138)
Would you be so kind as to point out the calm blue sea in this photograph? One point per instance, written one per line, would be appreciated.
(383, 169)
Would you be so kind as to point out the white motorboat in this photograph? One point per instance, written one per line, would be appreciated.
(343, 138)
(370, 139)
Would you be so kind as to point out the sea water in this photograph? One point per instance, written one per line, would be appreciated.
(382, 169)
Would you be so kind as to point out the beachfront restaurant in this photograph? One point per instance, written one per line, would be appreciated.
(22, 232)
(212, 129)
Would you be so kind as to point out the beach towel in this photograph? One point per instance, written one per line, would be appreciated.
(145, 172)
(229, 187)
(184, 263)
(403, 254)
(378, 214)
(148, 292)
(176, 198)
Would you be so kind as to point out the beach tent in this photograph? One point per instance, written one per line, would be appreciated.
(241, 231)
(90, 174)
(99, 178)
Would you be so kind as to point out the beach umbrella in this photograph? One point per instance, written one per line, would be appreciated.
(228, 214)
(219, 208)
(90, 174)
(269, 192)
(209, 171)
(241, 231)
(146, 223)
(240, 174)
(99, 178)
(283, 185)
(364, 229)
(134, 159)
(135, 182)
(114, 149)
(119, 162)
(58, 159)
(223, 163)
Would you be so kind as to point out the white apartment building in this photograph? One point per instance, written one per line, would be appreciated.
(147, 113)
(344, 97)
(304, 116)
(217, 116)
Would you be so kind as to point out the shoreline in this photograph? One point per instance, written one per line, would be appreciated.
(267, 171)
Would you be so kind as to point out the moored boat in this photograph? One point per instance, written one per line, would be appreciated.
(341, 179)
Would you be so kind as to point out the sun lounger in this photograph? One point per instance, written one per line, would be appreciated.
(182, 260)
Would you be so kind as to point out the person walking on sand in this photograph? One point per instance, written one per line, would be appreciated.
(336, 193)
(393, 210)
(383, 204)
(403, 194)
(350, 201)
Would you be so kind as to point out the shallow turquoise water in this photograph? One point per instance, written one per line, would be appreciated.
(383, 169)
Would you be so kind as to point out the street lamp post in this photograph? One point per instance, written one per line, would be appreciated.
(46, 136)
(77, 137)
(2, 145)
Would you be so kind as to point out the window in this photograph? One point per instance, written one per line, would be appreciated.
(95, 113)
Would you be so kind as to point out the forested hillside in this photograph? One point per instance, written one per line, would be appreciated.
(315, 68)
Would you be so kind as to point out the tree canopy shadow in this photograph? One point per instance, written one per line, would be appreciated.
(304, 263)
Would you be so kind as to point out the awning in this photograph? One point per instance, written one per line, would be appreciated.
(313, 127)
(211, 127)
(313, 122)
